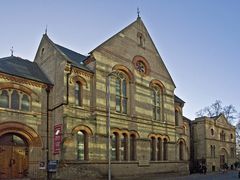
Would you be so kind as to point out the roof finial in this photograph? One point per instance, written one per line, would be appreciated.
(11, 51)
(46, 30)
(138, 12)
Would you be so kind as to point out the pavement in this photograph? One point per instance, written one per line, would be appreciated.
(229, 175)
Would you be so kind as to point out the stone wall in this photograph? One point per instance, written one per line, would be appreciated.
(88, 170)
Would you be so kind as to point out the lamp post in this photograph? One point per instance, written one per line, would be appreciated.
(113, 73)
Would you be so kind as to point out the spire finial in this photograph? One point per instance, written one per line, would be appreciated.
(11, 51)
(138, 12)
(46, 30)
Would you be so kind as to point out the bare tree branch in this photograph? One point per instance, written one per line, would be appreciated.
(216, 108)
(200, 113)
(230, 112)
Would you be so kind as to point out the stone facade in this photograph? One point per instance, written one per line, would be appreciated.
(28, 124)
(68, 118)
(214, 142)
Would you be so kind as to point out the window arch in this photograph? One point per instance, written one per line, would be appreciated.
(115, 146)
(153, 148)
(222, 135)
(156, 95)
(212, 151)
(82, 145)
(121, 93)
(25, 103)
(15, 100)
(141, 39)
(141, 65)
(124, 147)
(4, 99)
(212, 132)
(165, 149)
(132, 147)
(176, 118)
(181, 146)
(78, 93)
(159, 148)
(82, 133)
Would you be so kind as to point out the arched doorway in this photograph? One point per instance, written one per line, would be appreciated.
(13, 156)
(223, 157)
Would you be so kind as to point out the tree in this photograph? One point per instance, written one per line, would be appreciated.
(216, 109)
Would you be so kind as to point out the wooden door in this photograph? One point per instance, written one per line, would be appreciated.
(19, 162)
(13, 159)
(5, 157)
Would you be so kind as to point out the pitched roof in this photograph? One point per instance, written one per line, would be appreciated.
(75, 58)
(17, 66)
(139, 21)
(72, 57)
(178, 100)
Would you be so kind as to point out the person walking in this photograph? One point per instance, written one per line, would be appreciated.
(204, 167)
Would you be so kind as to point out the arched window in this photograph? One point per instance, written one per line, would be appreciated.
(115, 147)
(124, 147)
(231, 136)
(222, 136)
(181, 150)
(15, 100)
(25, 105)
(4, 99)
(212, 132)
(78, 93)
(156, 103)
(82, 145)
(141, 39)
(165, 149)
(153, 148)
(214, 150)
(176, 118)
(121, 94)
(132, 147)
(159, 148)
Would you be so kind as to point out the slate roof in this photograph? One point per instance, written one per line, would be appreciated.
(75, 58)
(177, 99)
(17, 66)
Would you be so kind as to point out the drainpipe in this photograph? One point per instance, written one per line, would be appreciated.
(47, 146)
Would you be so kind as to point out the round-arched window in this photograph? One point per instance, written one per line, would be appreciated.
(212, 132)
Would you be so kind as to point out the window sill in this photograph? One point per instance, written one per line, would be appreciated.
(119, 113)
(154, 120)
(18, 111)
(78, 107)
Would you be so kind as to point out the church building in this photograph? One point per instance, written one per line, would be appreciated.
(113, 109)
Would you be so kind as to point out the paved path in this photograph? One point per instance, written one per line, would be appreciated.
(230, 175)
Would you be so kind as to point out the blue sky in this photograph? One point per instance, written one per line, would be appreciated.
(199, 41)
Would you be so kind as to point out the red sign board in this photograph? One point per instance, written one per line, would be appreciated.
(57, 138)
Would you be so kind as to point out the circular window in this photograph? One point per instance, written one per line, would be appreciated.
(140, 66)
